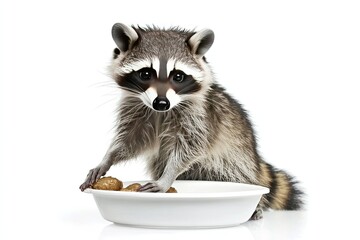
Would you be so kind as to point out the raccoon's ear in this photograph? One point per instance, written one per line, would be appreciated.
(201, 42)
(124, 36)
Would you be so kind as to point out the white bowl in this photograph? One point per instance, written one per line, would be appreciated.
(198, 204)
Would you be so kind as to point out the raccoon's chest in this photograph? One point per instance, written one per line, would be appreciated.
(155, 133)
(158, 152)
(166, 130)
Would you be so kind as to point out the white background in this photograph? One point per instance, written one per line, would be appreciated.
(294, 65)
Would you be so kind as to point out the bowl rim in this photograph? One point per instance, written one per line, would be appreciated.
(257, 190)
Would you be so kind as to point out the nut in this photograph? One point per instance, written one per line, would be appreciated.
(171, 190)
(132, 188)
(108, 183)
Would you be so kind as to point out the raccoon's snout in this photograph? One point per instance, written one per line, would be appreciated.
(161, 104)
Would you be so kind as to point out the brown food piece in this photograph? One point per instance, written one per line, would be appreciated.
(108, 183)
(171, 190)
(132, 188)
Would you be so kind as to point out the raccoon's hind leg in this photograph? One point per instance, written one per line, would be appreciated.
(258, 214)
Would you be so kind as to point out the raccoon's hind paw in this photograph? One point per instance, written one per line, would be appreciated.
(258, 214)
(151, 187)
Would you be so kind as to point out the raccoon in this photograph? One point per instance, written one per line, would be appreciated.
(181, 120)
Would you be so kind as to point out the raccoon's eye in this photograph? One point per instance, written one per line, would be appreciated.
(145, 74)
(179, 77)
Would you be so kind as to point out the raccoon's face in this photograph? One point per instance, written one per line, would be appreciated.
(161, 67)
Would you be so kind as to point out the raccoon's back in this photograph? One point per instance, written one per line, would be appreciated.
(233, 156)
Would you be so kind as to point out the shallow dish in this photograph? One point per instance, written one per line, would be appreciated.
(198, 204)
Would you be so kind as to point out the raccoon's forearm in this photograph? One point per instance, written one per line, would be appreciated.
(176, 163)
(179, 157)
(118, 152)
(174, 167)
(169, 175)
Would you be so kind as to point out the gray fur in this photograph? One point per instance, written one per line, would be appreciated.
(207, 136)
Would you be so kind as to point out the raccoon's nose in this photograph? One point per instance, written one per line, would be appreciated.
(161, 104)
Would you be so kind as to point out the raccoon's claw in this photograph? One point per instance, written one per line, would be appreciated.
(150, 187)
(94, 175)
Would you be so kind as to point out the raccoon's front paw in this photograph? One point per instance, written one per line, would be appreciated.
(94, 175)
(152, 187)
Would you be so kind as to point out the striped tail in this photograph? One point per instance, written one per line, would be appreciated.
(284, 193)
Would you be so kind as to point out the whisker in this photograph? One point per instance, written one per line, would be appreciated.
(113, 99)
(130, 90)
